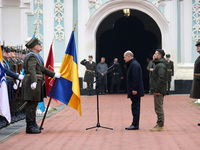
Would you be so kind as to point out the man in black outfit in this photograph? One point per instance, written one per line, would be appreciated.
(170, 72)
(116, 76)
(135, 87)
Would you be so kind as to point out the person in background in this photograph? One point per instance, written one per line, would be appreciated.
(102, 69)
(150, 68)
(170, 72)
(89, 73)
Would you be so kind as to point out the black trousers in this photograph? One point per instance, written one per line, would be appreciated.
(135, 108)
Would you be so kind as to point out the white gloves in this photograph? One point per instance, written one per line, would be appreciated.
(15, 86)
(21, 77)
(33, 85)
(57, 75)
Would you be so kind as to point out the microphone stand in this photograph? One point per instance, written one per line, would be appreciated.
(97, 92)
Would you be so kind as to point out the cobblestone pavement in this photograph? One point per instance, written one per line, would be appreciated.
(66, 130)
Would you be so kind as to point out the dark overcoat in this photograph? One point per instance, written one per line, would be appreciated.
(170, 70)
(159, 76)
(34, 72)
(195, 91)
(134, 79)
(90, 71)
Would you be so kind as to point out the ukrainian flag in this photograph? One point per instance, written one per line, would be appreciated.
(4, 102)
(67, 89)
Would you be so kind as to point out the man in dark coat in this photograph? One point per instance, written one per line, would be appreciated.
(33, 84)
(159, 84)
(116, 76)
(89, 73)
(135, 87)
(195, 91)
(170, 72)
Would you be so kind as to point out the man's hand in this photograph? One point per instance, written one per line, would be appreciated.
(134, 92)
(151, 69)
(102, 74)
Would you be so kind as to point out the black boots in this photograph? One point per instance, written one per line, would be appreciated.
(35, 124)
(31, 129)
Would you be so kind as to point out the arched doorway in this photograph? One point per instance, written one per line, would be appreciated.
(138, 33)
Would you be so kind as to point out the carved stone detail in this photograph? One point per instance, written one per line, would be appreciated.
(94, 3)
(38, 22)
(59, 17)
(196, 19)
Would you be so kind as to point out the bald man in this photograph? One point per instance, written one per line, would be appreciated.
(135, 87)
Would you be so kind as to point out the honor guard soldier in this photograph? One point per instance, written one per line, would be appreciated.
(10, 76)
(195, 91)
(170, 72)
(33, 85)
(89, 73)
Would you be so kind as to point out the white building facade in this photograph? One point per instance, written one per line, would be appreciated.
(178, 22)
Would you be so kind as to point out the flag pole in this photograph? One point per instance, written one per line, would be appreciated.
(56, 81)
(48, 103)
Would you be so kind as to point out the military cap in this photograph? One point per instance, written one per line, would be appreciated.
(33, 42)
(198, 42)
(13, 49)
(24, 51)
(6, 49)
(90, 56)
(167, 55)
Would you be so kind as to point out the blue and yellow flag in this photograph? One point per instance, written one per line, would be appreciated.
(67, 89)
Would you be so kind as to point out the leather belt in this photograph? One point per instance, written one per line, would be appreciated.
(90, 71)
(9, 77)
(196, 74)
(169, 69)
(38, 75)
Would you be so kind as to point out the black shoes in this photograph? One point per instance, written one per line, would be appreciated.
(198, 124)
(31, 129)
(132, 127)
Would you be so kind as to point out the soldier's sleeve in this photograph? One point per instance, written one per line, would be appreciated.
(32, 68)
(83, 62)
(172, 68)
(11, 74)
(47, 72)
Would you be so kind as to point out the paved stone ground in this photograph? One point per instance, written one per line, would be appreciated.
(67, 130)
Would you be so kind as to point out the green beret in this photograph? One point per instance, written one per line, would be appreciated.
(32, 43)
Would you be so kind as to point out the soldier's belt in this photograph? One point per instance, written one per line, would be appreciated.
(169, 69)
(9, 77)
(38, 75)
(196, 74)
(90, 71)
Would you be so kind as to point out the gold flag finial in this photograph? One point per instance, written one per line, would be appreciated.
(35, 30)
(75, 26)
